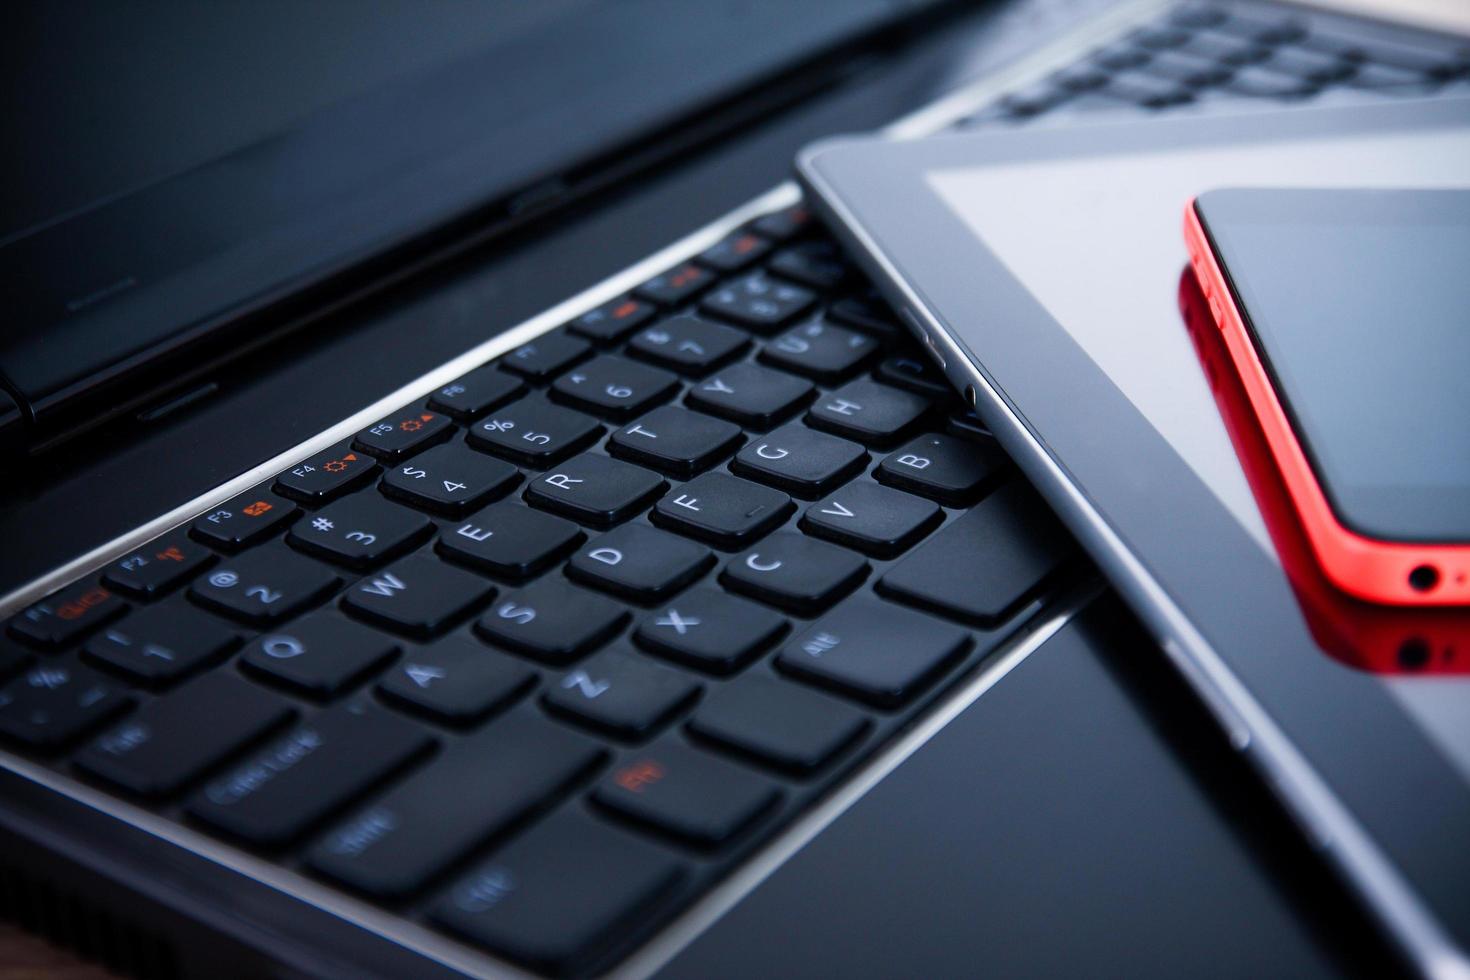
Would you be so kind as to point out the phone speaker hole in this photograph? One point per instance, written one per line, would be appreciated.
(1423, 578)
(1414, 653)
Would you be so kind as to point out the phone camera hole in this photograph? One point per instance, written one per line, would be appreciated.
(1414, 653)
(1423, 578)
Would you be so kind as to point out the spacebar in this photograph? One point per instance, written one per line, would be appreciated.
(982, 567)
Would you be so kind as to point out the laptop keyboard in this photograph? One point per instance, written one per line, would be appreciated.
(540, 658)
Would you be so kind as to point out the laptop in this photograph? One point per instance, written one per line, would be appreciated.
(527, 664)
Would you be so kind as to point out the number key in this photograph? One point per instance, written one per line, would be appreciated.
(360, 531)
(52, 704)
(688, 344)
(450, 480)
(534, 433)
(264, 586)
(615, 387)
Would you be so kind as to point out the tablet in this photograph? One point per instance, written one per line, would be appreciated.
(1047, 270)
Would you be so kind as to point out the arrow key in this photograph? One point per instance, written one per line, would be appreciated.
(456, 681)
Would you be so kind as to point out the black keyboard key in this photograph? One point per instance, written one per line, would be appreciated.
(595, 490)
(785, 224)
(247, 519)
(534, 432)
(795, 572)
(1188, 69)
(871, 413)
(450, 480)
(872, 518)
(688, 344)
(675, 440)
(914, 373)
(820, 350)
(875, 652)
(639, 563)
(53, 704)
(759, 302)
(615, 387)
(1147, 91)
(547, 356)
(944, 468)
(1436, 61)
(867, 312)
(1158, 38)
(1264, 83)
(740, 251)
(298, 780)
(750, 395)
(722, 509)
(621, 693)
(686, 794)
(677, 286)
(777, 724)
(161, 644)
(800, 461)
(559, 897)
(68, 615)
(510, 540)
(320, 655)
(711, 630)
(456, 681)
(404, 433)
(264, 586)
(552, 621)
(157, 567)
(817, 264)
(326, 476)
(13, 659)
(1223, 48)
(475, 394)
(419, 595)
(987, 563)
(176, 739)
(477, 790)
(1121, 57)
(1263, 29)
(613, 321)
(360, 531)
(967, 425)
(1312, 66)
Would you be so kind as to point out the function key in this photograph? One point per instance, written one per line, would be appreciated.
(418, 595)
(777, 723)
(559, 897)
(621, 693)
(639, 562)
(677, 286)
(759, 302)
(1263, 29)
(320, 655)
(361, 531)
(722, 509)
(688, 344)
(161, 644)
(820, 350)
(613, 321)
(552, 620)
(251, 517)
(711, 630)
(799, 460)
(750, 395)
(53, 704)
(450, 480)
(950, 470)
(534, 432)
(686, 794)
(456, 681)
(176, 739)
(68, 615)
(475, 394)
(868, 412)
(596, 490)
(615, 387)
(794, 572)
(157, 567)
(547, 356)
(404, 433)
(818, 264)
(735, 253)
(510, 540)
(264, 586)
(326, 476)
(878, 653)
(784, 224)
(675, 440)
(871, 518)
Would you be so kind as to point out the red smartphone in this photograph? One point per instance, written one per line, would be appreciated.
(1346, 314)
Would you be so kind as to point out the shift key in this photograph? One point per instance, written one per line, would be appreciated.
(475, 791)
(301, 778)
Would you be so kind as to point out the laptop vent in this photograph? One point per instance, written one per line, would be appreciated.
(78, 923)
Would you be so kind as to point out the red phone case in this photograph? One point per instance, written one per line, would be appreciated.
(1371, 569)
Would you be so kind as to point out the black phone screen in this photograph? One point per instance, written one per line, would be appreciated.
(1359, 304)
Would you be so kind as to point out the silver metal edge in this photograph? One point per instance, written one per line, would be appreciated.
(1322, 816)
(669, 940)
